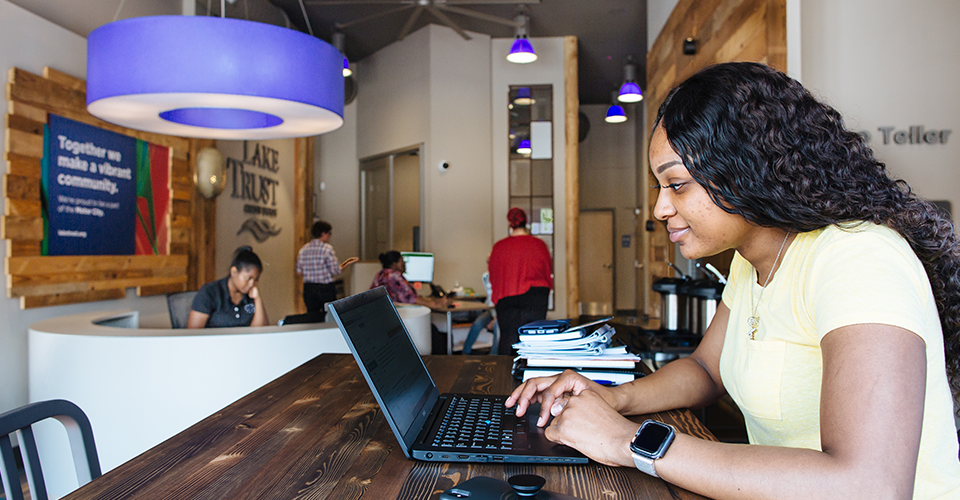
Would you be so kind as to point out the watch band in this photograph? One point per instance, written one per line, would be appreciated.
(645, 464)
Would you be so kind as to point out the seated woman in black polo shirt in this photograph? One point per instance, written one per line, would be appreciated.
(233, 300)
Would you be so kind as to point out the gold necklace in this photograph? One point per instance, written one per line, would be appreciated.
(754, 320)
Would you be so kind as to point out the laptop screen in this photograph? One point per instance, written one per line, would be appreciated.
(387, 355)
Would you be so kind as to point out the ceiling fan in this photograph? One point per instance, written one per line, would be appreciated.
(437, 8)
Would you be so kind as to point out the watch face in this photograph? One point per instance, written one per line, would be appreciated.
(650, 438)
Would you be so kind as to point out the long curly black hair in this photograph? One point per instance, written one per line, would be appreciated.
(765, 149)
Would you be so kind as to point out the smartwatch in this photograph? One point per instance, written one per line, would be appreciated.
(651, 442)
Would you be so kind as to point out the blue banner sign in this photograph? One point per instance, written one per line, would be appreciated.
(89, 181)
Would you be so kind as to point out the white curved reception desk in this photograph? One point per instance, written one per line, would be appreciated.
(140, 386)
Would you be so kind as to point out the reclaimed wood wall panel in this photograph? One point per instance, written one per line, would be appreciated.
(725, 30)
(41, 281)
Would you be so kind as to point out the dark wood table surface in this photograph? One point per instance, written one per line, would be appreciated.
(317, 432)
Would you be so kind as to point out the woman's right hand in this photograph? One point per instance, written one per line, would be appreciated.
(553, 392)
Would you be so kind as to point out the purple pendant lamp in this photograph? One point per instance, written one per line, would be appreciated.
(630, 91)
(615, 113)
(524, 147)
(213, 77)
(521, 52)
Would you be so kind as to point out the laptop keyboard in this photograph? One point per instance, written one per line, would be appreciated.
(483, 424)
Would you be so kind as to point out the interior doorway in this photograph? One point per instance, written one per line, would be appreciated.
(597, 263)
(391, 203)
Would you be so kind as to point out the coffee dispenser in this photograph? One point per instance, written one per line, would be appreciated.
(703, 298)
(674, 309)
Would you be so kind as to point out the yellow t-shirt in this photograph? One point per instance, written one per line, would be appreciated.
(830, 278)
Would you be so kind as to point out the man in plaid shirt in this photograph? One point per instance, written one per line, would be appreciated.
(317, 264)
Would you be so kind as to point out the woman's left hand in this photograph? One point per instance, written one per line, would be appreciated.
(254, 293)
(586, 422)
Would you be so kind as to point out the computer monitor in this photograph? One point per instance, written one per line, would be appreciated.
(419, 266)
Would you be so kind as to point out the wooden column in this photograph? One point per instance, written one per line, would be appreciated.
(572, 172)
(303, 208)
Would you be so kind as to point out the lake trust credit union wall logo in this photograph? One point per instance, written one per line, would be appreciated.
(254, 181)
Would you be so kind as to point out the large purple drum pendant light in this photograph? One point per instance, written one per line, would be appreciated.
(213, 77)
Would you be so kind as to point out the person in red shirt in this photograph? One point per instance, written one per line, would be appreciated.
(521, 277)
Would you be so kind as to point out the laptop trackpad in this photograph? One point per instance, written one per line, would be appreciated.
(530, 437)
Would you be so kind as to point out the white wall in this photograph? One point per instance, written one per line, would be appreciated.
(393, 96)
(336, 182)
(30, 42)
(608, 180)
(658, 11)
(458, 200)
(431, 88)
(548, 69)
(891, 63)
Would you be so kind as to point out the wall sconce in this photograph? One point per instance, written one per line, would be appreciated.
(209, 177)
(690, 46)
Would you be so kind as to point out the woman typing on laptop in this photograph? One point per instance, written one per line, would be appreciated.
(838, 332)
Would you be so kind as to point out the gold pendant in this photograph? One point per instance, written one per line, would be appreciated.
(753, 322)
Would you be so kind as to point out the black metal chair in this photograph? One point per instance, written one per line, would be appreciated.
(20, 421)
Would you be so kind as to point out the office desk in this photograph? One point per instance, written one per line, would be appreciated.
(461, 306)
(317, 432)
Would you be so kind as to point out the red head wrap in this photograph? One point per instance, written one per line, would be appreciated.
(517, 217)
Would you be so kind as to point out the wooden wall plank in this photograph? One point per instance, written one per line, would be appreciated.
(26, 166)
(77, 263)
(15, 227)
(181, 208)
(100, 276)
(23, 143)
(21, 187)
(25, 124)
(23, 208)
(54, 287)
(180, 221)
(181, 235)
(71, 298)
(23, 248)
(69, 81)
(146, 291)
(27, 111)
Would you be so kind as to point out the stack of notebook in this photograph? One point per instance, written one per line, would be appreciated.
(548, 347)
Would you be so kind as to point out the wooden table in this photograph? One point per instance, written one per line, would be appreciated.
(317, 432)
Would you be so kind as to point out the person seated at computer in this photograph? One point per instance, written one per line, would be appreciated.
(233, 300)
(399, 289)
(402, 292)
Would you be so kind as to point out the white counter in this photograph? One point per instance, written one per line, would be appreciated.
(139, 386)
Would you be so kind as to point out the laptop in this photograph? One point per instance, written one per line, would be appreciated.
(428, 425)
